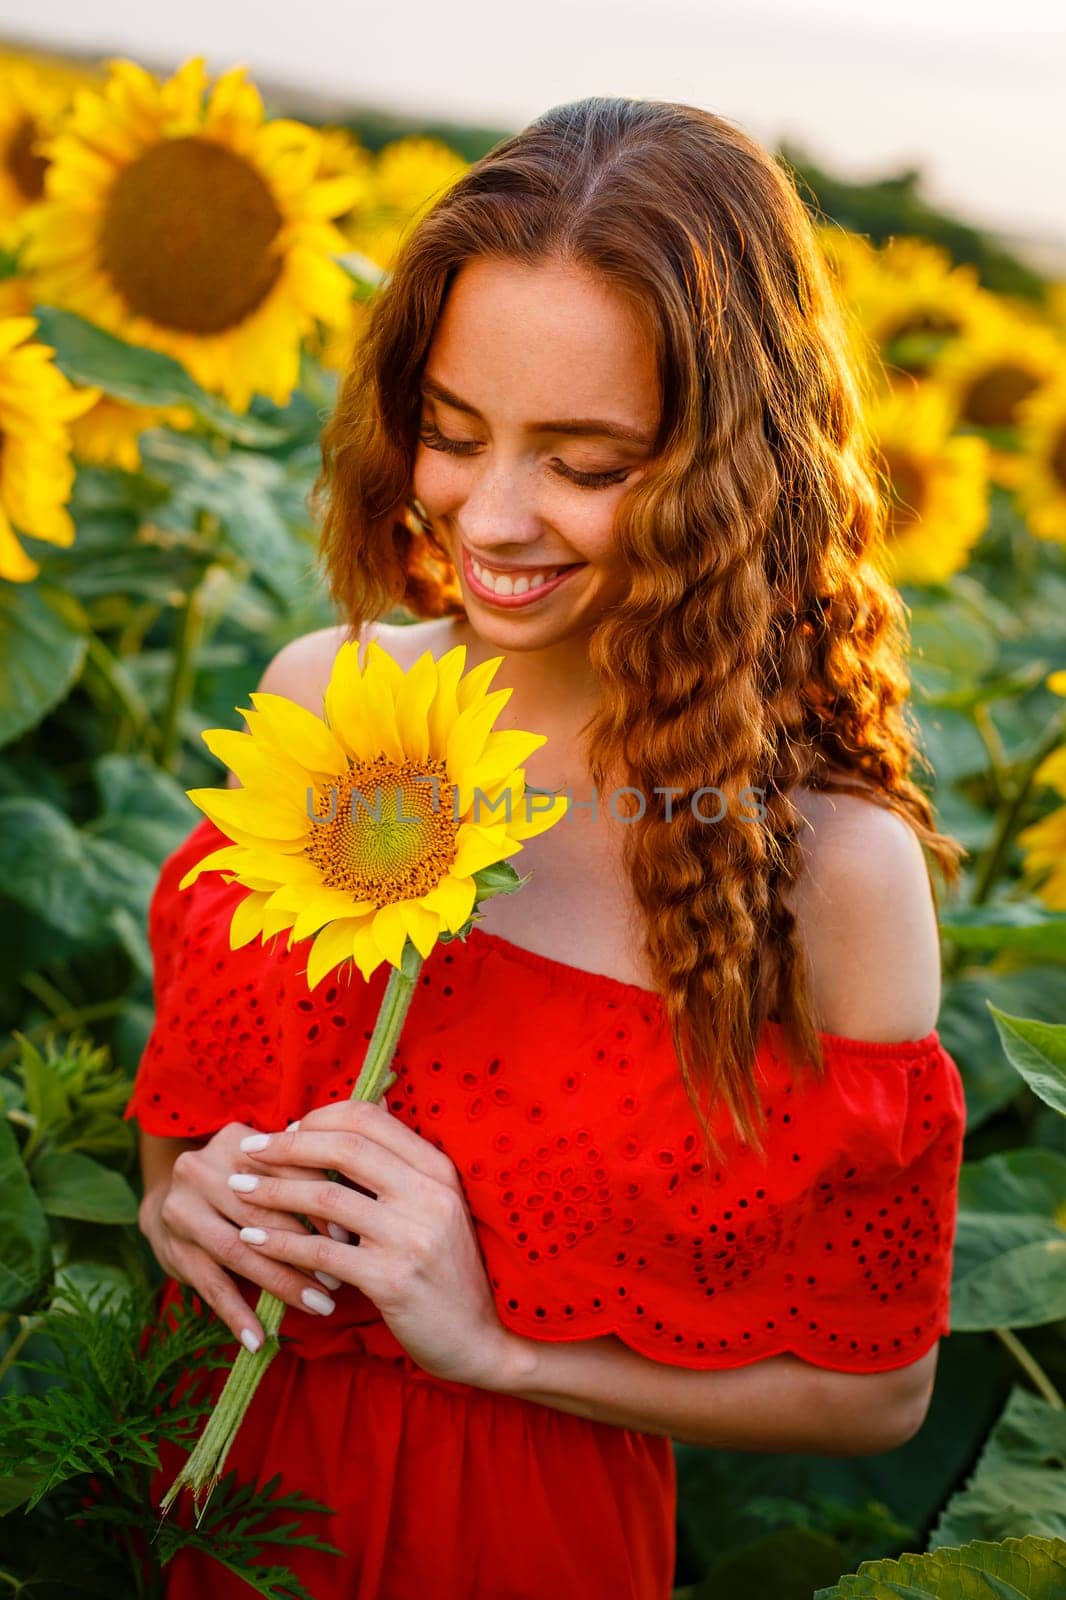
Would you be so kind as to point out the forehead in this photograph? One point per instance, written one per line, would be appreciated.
(543, 340)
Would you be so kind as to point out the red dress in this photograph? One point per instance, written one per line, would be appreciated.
(556, 1093)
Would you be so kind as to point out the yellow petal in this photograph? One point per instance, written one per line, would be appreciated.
(368, 957)
(345, 704)
(390, 933)
(470, 731)
(413, 700)
(479, 847)
(504, 753)
(257, 767)
(247, 921)
(423, 927)
(445, 707)
(260, 817)
(476, 682)
(320, 908)
(230, 858)
(379, 690)
(334, 945)
(301, 734)
(452, 899)
(538, 821)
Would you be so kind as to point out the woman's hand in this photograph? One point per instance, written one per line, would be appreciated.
(193, 1225)
(417, 1255)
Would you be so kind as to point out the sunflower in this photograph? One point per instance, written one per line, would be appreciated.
(319, 837)
(343, 156)
(1040, 480)
(409, 176)
(37, 405)
(29, 106)
(108, 434)
(913, 301)
(937, 481)
(1004, 361)
(183, 220)
(1044, 842)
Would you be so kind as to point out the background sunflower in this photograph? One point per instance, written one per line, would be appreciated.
(183, 220)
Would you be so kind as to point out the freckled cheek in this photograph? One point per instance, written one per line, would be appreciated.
(438, 483)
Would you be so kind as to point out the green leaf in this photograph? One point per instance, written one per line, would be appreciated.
(64, 874)
(90, 356)
(1026, 927)
(1017, 1569)
(144, 808)
(41, 655)
(244, 492)
(969, 1032)
(47, 1101)
(25, 1245)
(498, 878)
(69, 1184)
(1009, 1260)
(1017, 1485)
(1037, 1050)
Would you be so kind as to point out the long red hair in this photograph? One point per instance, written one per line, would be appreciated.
(760, 645)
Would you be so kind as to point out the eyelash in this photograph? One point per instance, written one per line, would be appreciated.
(435, 440)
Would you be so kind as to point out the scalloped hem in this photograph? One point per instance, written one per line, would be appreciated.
(727, 1360)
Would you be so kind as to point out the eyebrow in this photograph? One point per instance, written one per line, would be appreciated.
(594, 426)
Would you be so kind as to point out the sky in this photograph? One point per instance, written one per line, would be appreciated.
(970, 91)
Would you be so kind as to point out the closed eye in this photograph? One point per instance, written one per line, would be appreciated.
(433, 439)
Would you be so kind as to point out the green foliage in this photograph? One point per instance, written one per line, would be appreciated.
(1016, 1487)
(186, 576)
(894, 205)
(1016, 1569)
(98, 1427)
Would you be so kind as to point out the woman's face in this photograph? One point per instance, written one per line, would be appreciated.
(529, 370)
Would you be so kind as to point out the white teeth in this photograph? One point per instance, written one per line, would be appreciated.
(503, 584)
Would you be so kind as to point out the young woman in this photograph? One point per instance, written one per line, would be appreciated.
(674, 1144)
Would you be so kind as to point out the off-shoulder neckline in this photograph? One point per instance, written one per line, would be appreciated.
(603, 983)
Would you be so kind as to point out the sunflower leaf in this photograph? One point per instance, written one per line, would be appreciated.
(89, 355)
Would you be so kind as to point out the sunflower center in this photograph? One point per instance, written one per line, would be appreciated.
(1057, 459)
(992, 398)
(926, 319)
(25, 166)
(906, 490)
(389, 836)
(186, 236)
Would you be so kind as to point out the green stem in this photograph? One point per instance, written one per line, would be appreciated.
(190, 633)
(47, 993)
(997, 756)
(122, 688)
(28, 1327)
(1031, 1367)
(205, 1465)
(1011, 812)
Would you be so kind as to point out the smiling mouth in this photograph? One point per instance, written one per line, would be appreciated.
(517, 587)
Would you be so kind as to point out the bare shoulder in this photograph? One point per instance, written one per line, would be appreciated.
(867, 919)
(301, 669)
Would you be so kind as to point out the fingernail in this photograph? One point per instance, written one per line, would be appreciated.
(255, 1141)
(249, 1340)
(292, 1127)
(314, 1300)
(328, 1279)
(335, 1231)
(244, 1181)
(253, 1236)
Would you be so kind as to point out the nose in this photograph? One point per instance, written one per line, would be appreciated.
(497, 518)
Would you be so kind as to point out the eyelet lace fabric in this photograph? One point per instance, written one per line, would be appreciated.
(557, 1095)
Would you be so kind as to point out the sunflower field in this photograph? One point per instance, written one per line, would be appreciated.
(181, 277)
